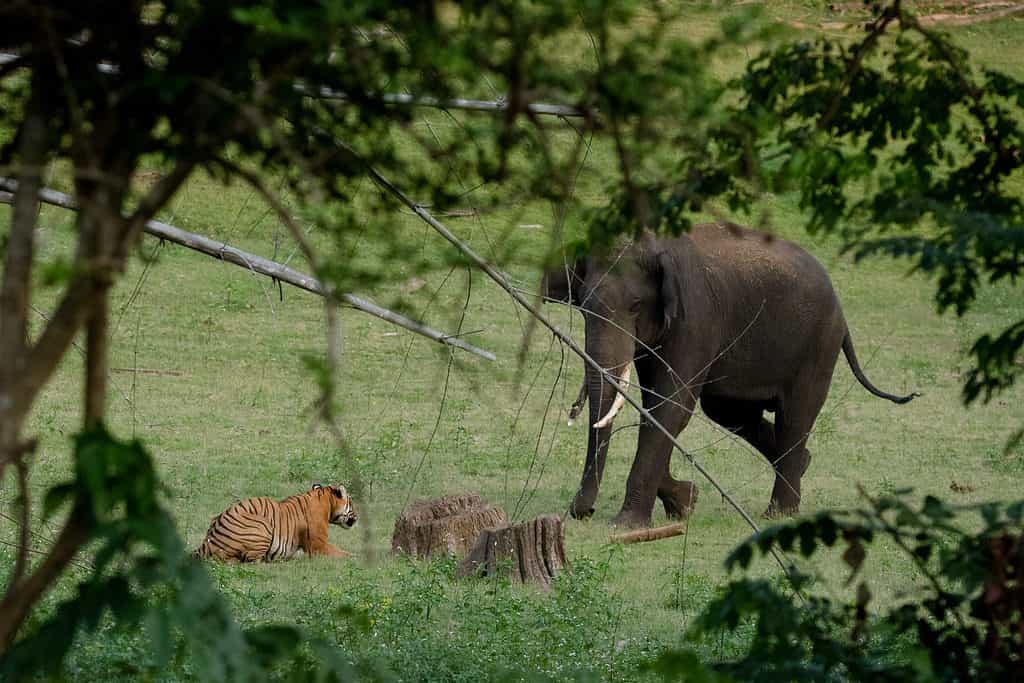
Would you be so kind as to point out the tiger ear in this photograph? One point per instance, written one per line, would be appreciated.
(339, 491)
(316, 486)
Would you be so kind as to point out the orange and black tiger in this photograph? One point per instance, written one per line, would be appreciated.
(262, 529)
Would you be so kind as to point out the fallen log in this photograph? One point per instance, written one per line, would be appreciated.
(644, 535)
(256, 264)
(443, 525)
(530, 551)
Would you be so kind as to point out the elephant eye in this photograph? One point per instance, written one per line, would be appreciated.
(634, 304)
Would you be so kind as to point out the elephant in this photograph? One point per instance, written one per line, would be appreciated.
(738, 320)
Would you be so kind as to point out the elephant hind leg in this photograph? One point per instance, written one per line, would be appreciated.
(794, 423)
(678, 497)
(744, 419)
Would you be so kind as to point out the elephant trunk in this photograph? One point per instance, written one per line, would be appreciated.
(604, 403)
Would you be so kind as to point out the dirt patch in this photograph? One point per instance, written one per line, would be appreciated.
(969, 13)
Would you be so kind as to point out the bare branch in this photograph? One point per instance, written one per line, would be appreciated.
(155, 200)
(496, 106)
(644, 535)
(282, 214)
(19, 599)
(877, 28)
(258, 264)
(96, 361)
(25, 505)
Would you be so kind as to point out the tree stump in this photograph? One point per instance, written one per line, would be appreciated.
(448, 524)
(531, 551)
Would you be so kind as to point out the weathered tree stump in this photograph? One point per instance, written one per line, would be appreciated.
(448, 524)
(531, 551)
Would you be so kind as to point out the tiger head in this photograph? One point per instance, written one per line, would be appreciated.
(342, 513)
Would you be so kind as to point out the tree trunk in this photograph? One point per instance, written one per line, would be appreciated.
(530, 551)
(449, 524)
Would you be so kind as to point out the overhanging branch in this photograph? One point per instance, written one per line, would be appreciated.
(260, 265)
(501, 105)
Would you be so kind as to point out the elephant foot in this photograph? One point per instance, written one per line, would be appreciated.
(679, 499)
(630, 519)
(582, 507)
(778, 510)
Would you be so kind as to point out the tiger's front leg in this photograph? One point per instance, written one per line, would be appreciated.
(327, 549)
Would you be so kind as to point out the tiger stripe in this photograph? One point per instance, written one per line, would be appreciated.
(262, 529)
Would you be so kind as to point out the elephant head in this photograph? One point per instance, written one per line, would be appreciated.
(630, 297)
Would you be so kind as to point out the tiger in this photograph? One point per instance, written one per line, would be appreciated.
(263, 530)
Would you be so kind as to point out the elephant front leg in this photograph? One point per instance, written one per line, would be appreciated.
(582, 505)
(649, 477)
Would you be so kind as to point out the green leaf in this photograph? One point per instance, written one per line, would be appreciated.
(56, 497)
(682, 665)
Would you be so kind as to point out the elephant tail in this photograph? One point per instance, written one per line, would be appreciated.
(851, 358)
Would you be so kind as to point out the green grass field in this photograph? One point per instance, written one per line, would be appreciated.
(222, 400)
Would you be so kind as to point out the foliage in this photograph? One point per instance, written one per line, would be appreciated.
(964, 621)
(891, 141)
(887, 134)
(897, 144)
(143, 578)
(430, 626)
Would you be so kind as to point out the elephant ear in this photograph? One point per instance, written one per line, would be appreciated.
(670, 287)
(564, 282)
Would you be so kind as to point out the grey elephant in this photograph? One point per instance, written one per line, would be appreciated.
(741, 321)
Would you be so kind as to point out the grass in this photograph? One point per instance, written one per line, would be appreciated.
(227, 416)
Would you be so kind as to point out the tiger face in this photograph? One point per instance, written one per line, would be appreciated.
(342, 513)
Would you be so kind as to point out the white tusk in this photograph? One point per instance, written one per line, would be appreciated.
(617, 404)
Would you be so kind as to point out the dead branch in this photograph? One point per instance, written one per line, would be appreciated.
(20, 599)
(495, 106)
(258, 264)
(96, 361)
(11, 62)
(25, 503)
(151, 203)
(644, 535)
(150, 371)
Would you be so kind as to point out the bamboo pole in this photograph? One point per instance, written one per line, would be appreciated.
(501, 105)
(540, 108)
(256, 264)
(644, 535)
